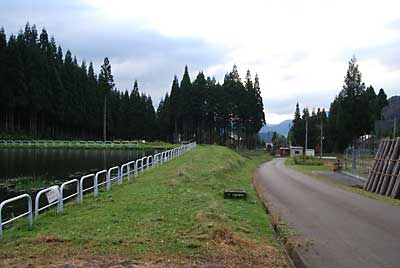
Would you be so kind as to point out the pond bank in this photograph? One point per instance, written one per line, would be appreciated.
(28, 170)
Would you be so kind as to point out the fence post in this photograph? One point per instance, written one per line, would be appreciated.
(142, 167)
(136, 168)
(108, 180)
(62, 192)
(120, 174)
(96, 182)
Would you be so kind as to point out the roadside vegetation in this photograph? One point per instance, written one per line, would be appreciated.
(305, 160)
(172, 216)
(327, 165)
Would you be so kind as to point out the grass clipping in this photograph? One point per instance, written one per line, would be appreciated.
(172, 216)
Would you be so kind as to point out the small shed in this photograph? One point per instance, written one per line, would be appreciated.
(269, 145)
(284, 151)
(296, 150)
(310, 152)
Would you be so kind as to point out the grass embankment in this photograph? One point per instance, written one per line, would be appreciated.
(118, 146)
(327, 165)
(172, 216)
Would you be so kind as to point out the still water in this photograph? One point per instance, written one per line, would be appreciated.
(20, 168)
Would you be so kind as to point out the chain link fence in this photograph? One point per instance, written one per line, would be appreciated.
(359, 159)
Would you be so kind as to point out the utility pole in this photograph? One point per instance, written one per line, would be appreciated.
(105, 120)
(394, 127)
(306, 144)
(322, 138)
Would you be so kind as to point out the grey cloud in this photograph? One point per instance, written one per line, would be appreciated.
(288, 77)
(387, 54)
(298, 56)
(395, 24)
(288, 105)
(294, 58)
(149, 57)
(49, 13)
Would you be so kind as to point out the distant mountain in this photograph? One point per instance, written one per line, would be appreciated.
(266, 136)
(392, 110)
(281, 128)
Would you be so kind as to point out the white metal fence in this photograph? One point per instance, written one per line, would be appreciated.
(112, 174)
(66, 143)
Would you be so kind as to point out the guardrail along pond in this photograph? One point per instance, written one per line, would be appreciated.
(57, 195)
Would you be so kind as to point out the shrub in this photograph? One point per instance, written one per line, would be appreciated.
(307, 161)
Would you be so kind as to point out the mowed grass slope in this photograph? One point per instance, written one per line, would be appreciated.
(172, 215)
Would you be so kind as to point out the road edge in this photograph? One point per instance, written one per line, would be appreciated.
(290, 250)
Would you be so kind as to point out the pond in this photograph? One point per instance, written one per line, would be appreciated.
(30, 170)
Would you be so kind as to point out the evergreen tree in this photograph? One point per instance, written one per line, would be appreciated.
(175, 112)
(298, 128)
(371, 108)
(354, 111)
(186, 104)
(46, 94)
(106, 84)
(381, 102)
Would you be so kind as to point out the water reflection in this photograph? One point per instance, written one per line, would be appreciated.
(57, 165)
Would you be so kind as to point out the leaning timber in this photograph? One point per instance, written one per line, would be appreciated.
(371, 172)
(396, 188)
(390, 165)
(385, 166)
(377, 161)
(381, 164)
(395, 172)
(384, 176)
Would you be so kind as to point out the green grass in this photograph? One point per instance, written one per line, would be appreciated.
(305, 161)
(328, 166)
(174, 210)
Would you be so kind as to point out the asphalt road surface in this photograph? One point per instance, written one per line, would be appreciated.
(343, 229)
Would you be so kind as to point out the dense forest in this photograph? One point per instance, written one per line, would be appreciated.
(46, 94)
(352, 114)
(205, 111)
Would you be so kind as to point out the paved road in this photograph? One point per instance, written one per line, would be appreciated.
(345, 229)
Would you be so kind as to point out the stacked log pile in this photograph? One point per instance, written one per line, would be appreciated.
(384, 176)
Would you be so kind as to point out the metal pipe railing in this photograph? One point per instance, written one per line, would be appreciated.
(55, 188)
(96, 181)
(82, 190)
(72, 195)
(29, 212)
(151, 162)
(66, 143)
(110, 178)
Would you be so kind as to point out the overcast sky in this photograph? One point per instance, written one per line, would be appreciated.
(300, 49)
